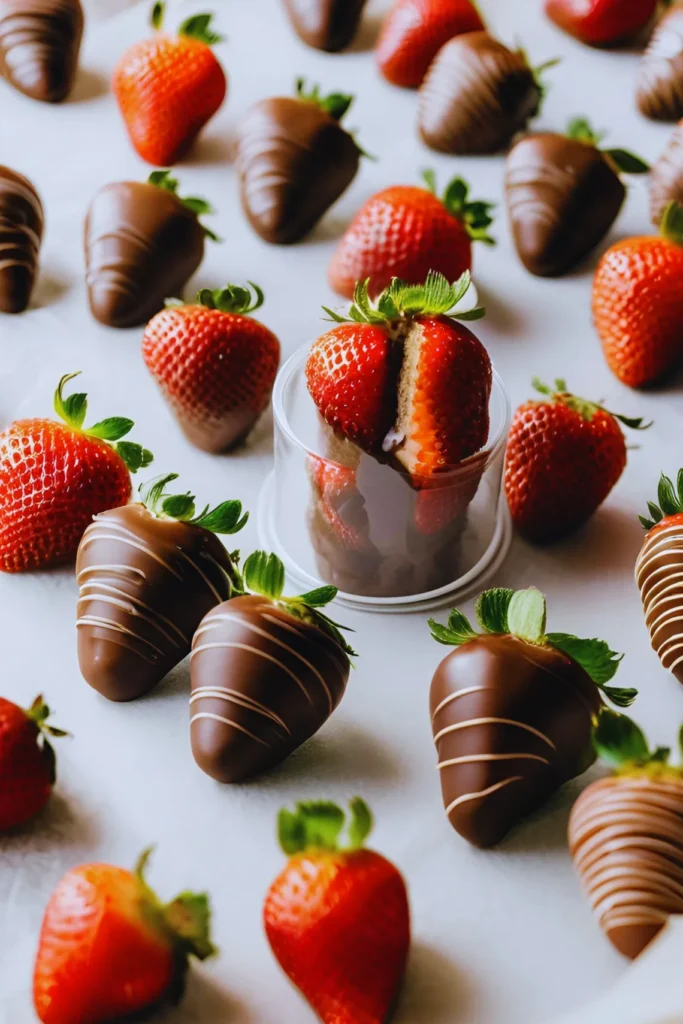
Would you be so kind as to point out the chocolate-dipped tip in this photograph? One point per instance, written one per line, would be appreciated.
(670, 498)
(323, 825)
(225, 518)
(72, 410)
(475, 216)
(523, 614)
(436, 297)
(328, 25)
(39, 46)
(21, 233)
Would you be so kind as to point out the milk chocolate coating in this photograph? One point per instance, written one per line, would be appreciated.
(39, 45)
(562, 197)
(21, 232)
(626, 837)
(512, 723)
(294, 161)
(659, 575)
(325, 24)
(144, 586)
(476, 96)
(263, 683)
(659, 91)
(141, 247)
(666, 177)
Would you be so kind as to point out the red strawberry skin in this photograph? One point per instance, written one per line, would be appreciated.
(338, 923)
(404, 232)
(559, 468)
(415, 30)
(215, 369)
(53, 480)
(27, 768)
(601, 22)
(349, 373)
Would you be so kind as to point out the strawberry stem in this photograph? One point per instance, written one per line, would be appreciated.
(232, 298)
(621, 743)
(157, 16)
(164, 179)
(474, 216)
(583, 406)
(198, 27)
(670, 500)
(624, 161)
(581, 130)
(225, 518)
(336, 104)
(402, 300)
(319, 824)
(186, 919)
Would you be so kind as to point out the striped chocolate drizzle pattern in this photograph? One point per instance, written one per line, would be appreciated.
(659, 575)
(660, 79)
(36, 35)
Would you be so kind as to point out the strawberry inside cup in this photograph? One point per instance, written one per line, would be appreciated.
(393, 424)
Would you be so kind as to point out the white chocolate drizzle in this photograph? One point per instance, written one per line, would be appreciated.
(482, 793)
(494, 721)
(659, 575)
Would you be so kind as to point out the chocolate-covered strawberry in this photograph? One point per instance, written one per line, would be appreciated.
(659, 89)
(477, 95)
(659, 573)
(40, 42)
(147, 574)
(328, 25)
(21, 232)
(626, 836)
(214, 363)
(666, 177)
(513, 709)
(267, 672)
(563, 195)
(294, 161)
(142, 244)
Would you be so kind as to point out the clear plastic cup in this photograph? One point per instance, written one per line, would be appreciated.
(336, 515)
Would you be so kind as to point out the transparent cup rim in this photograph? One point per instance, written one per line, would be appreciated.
(296, 362)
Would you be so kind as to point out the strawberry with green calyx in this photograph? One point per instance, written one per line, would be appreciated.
(168, 87)
(267, 671)
(403, 379)
(513, 709)
(294, 160)
(564, 456)
(164, 180)
(109, 948)
(337, 917)
(55, 476)
(407, 231)
(626, 836)
(147, 575)
(563, 194)
(659, 573)
(27, 761)
(214, 363)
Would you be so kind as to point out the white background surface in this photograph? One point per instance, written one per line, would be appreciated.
(501, 937)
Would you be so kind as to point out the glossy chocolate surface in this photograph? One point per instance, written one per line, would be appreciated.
(659, 90)
(512, 723)
(626, 837)
(21, 232)
(325, 24)
(666, 177)
(476, 96)
(562, 198)
(263, 683)
(294, 161)
(141, 247)
(144, 586)
(659, 575)
(39, 45)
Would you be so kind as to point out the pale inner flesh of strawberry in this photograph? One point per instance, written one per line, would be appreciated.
(401, 439)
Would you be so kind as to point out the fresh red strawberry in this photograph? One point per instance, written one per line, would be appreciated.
(404, 378)
(405, 232)
(168, 87)
(27, 761)
(415, 30)
(638, 303)
(339, 502)
(214, 363)
(564, 456)
(54, 477)
(109, 948)
(601, 22)
(337, 918)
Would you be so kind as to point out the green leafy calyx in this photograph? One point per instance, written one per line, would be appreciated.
(624, 161)
(232, 298)
(581, 130)
(539, 78)
(670, 500)
(622, 744)
(164, 180)
(186, 920)
(320, 824)
(72, 410)
(582, 406)
(264, 574)
(39, 713)
(198, 27)
(401, 300)
(225, 518)
(474, 216)
(156, 18)
(522, 613)
(336, 104)
(671, 226)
